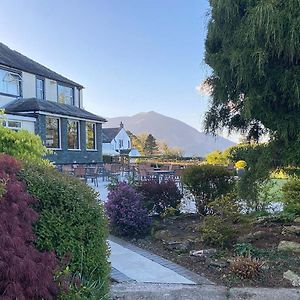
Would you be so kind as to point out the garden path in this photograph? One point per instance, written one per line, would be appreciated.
(130, 263)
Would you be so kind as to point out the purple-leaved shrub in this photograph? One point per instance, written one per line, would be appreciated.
(25, 272)
(125, 212)
(157, 197)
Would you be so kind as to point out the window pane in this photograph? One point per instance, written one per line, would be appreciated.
(14, 124)
(9, 83)
(52, 133)
(40, 89)
(73, 134)
(65, 94)
(90, 136)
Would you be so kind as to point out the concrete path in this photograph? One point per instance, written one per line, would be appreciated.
(130, 263)
(142, 269)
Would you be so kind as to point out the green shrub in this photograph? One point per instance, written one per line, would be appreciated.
(218, 228)
(291, 196)
(207, 183)
(246, 249)
(23, 145)
(72, 222)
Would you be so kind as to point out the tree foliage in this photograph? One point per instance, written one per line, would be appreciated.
(22, 145)
(253, 47)
(150, 146)
(217, 158)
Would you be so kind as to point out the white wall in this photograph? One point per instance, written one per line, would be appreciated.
(27, 122)
(122, 135)
(76, 96)
(28, 85)
(28, 125)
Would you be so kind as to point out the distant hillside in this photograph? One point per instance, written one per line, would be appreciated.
(173, 132)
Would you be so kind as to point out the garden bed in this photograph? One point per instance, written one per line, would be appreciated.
(173, 238)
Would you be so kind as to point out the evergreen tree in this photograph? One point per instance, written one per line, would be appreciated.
(150, 146)
(253, 48)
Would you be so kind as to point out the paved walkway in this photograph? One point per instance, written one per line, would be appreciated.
(133, 264)
(130, 263)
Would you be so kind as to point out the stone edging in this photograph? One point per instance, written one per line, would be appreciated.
(120, 277)
(162, 261)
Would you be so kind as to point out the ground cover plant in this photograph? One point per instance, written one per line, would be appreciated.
(72, 221)
(25, 272)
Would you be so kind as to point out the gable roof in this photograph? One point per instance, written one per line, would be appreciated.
(34, 105)
(16, 60)
(108, 134)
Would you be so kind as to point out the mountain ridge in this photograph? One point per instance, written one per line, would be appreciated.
(174, 132)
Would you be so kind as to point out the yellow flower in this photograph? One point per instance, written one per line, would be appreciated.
(241, 164)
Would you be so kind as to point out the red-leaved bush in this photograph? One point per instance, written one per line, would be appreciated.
(160, 196)
(124, 208)
(25, 273)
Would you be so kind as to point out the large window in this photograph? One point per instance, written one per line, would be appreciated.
(73, 134)
(14, 125)
(10, 83)
(40, 88)
(52, 133)
(90, 136)
(65, 94)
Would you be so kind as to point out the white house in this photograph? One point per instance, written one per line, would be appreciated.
(116, 141)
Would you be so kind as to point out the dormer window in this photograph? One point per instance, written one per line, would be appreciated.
(40, 88)
(10, 83)
(65, 94)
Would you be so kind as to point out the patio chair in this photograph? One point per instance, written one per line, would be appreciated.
(92, 173)
(80, 172)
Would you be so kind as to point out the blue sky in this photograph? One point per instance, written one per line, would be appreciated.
(131, 55)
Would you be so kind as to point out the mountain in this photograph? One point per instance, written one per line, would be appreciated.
(172, 131)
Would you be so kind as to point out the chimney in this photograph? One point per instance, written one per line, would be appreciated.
(121, 125)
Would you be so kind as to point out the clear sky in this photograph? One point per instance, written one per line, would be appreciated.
(131, 55)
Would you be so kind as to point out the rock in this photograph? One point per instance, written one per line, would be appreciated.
(265, 220)
(203, 253)
(162, 235)
(292, 277)
(252, 236)
(183, 246)
(297, 220)
(289, 246)
(295, 230)
(194, 227)
(219, 263)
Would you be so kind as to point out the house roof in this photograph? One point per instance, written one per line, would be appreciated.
(14, 59)
(35, 105)
(108, 134)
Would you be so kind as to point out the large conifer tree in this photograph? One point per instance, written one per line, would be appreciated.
(253, 48)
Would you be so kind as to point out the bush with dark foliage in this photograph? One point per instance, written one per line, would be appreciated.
(158, 197)
(25, 273)
(124, 208)
(207, 183)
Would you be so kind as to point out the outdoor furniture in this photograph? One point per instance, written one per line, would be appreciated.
(80, 173)
(67, 169)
